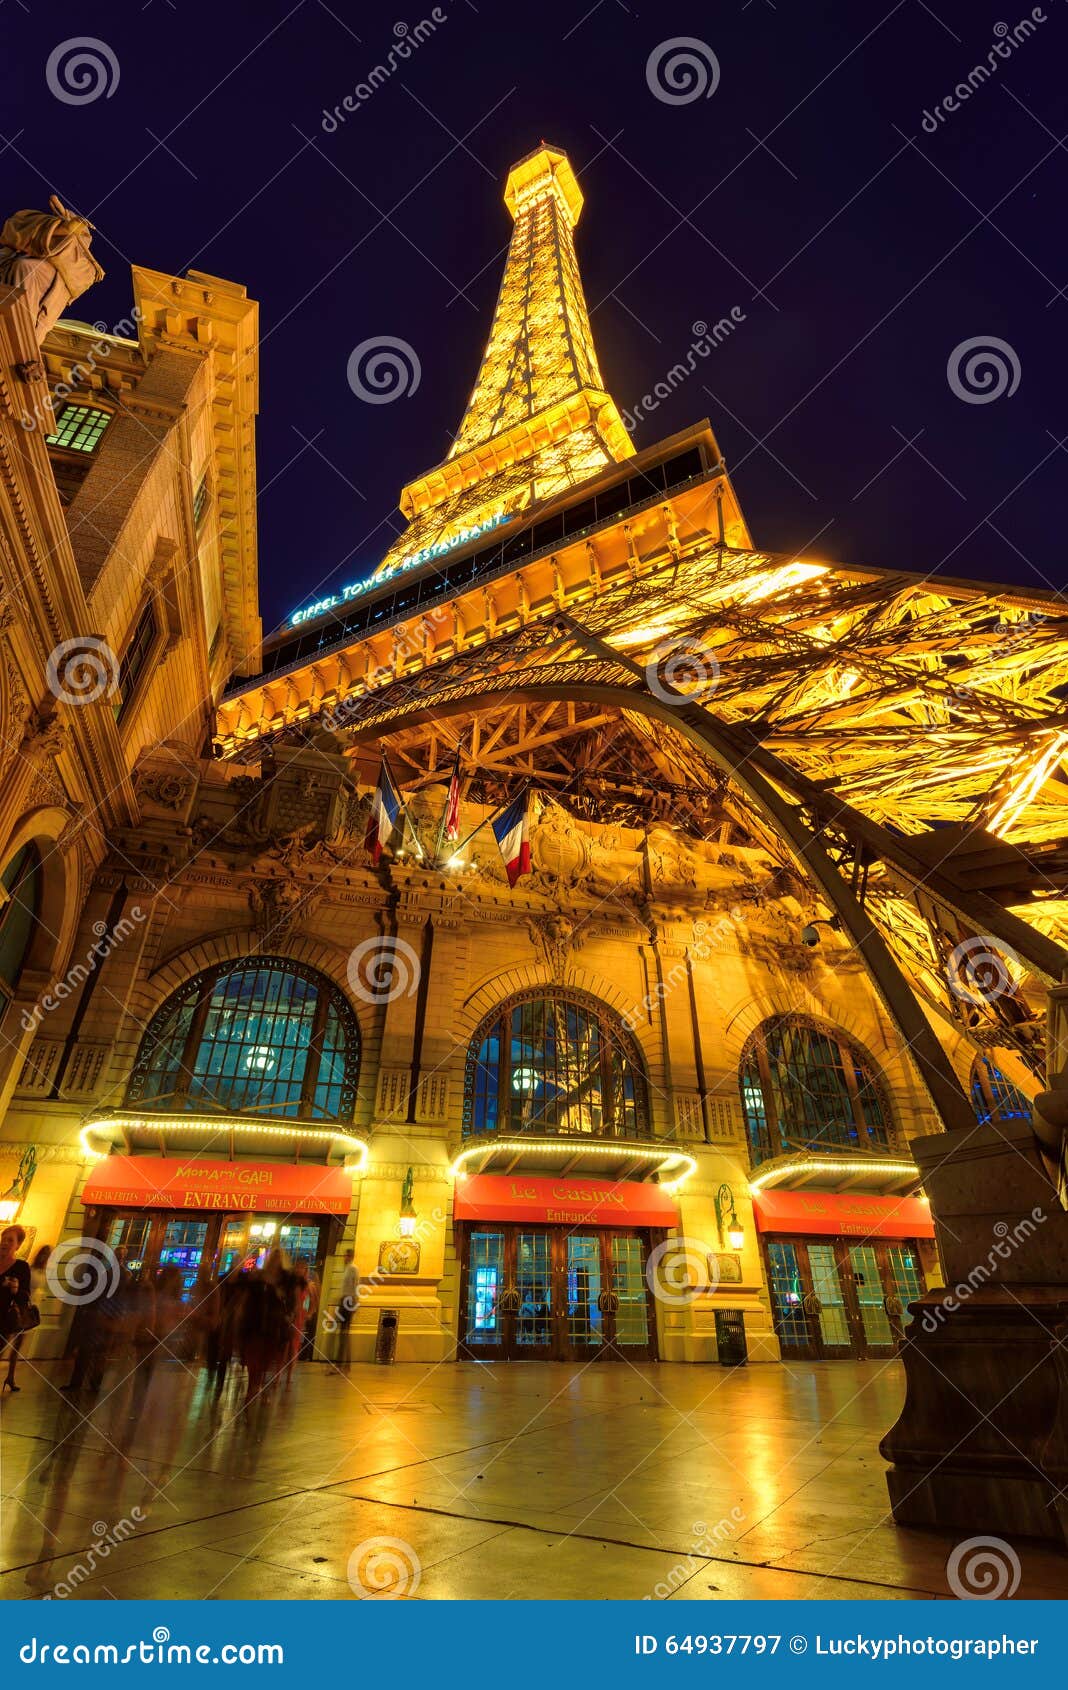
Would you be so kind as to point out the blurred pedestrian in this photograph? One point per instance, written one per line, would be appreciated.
(22, 1342)
(14, 1297)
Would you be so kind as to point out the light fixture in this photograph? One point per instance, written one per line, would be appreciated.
(164, 1125)
(730, 1227)
(9, 1208)
(406, 1223)
(874, 1166)
(679, 1162)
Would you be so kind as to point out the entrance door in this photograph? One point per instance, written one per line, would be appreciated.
(543, 1293)
(832, 1298)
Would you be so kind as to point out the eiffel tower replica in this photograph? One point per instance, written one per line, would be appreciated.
(597, 620)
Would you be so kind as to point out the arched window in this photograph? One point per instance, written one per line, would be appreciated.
(264, 1037)
(21, 882)
(806, 1086)
(994, 1096)
(556, 1062)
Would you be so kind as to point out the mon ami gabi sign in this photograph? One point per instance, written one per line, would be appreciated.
(166, 1182)
(591, 1202)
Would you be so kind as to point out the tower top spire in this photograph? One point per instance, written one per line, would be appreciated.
(543, 173)
(539, 419)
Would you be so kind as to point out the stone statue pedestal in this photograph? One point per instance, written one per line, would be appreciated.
(982, 1442)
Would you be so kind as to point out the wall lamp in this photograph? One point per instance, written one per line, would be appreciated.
(406, 1223)
(730, 1227)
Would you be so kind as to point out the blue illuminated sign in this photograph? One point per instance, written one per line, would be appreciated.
(345, 595)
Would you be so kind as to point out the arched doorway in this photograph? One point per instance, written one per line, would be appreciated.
(569, 1283)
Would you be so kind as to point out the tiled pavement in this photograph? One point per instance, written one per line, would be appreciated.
(489, 1481)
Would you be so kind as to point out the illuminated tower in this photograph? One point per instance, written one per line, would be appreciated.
(538, 420)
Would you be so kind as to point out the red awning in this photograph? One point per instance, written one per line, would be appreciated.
(843, 1214)
(584, 1202)
(169, 1182)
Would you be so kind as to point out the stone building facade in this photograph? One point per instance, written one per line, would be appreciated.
(651, 1101)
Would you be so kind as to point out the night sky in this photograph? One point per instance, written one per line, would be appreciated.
(805, 192)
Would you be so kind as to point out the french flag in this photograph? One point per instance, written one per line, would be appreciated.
(511, 830)
(385, 808)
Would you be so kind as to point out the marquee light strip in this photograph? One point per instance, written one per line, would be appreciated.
(827, 1164)
(169, 1124)
(547, 1146)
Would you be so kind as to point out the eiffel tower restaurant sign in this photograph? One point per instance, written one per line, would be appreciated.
(442, 548)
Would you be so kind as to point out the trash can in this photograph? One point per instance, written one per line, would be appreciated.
(386, 1337)
(730, 1338)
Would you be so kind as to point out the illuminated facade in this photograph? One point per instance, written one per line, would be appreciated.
(784, 815)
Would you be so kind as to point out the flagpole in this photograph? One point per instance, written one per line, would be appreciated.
(445, 809)
(499, 811)
(408, 822)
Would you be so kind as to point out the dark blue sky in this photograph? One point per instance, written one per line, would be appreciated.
(805, 191)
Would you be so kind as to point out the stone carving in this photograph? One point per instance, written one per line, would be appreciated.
(558, 937)
(45, 736)
(277, 905)
(167, 791)
(48, 256)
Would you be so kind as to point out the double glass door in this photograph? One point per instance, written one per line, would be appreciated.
(145, 1240)
(832, 1298)
(547, 1294)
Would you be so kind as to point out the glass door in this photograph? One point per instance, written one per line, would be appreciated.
(630, 1295)
(484, 1323)
(876, 1332)
(533, 1294)
(585, 1314)
(830, 1303)
(792, 1303)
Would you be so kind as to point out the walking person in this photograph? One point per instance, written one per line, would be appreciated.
(38, 1283)
(346, 1308)
(14, 1296)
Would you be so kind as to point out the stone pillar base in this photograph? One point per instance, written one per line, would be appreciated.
(982, 1441)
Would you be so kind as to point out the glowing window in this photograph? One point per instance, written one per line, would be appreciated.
(557, 1063)
(78, 428)
(806, 1086)
(265, 1037)
(994, 1096)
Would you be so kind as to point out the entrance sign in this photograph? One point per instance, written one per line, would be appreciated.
(593, 1202)
(172, 1182)
(840, 1214)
